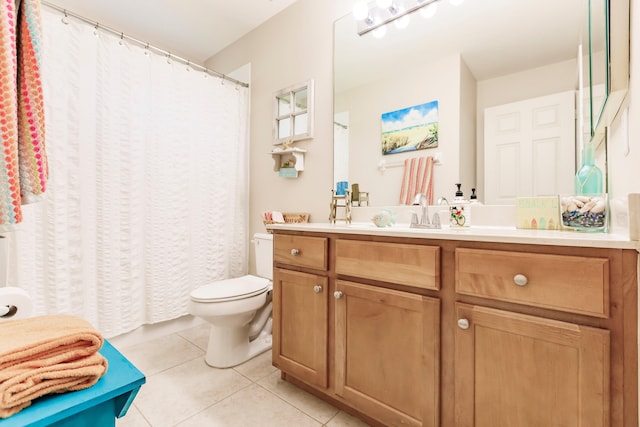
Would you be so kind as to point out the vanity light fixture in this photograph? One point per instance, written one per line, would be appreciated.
(380, 31)
(429, 11)
(374, 17)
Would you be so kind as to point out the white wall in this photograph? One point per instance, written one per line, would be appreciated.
(468, 144)
(295, 45)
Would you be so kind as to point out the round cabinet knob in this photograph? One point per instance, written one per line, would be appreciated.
(337, 294)
(317, 289)
(295, 252)
(520, 280)
(463, 324)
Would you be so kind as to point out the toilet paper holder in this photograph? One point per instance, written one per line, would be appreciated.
(8, 311)
(15, 303)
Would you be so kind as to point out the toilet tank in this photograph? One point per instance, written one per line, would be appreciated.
(263, 245)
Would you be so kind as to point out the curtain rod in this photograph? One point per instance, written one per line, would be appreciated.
(146, 45)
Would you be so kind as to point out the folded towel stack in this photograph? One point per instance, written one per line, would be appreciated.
(46, 354)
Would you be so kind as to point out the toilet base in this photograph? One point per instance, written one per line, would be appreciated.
(230, 347)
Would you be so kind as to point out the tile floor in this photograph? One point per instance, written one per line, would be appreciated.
(182, 390)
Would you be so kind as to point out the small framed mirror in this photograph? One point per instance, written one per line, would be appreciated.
(293, 113)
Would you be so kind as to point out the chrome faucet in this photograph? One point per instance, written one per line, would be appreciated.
(420, 199)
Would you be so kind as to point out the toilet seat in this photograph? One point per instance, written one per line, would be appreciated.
(231, 289)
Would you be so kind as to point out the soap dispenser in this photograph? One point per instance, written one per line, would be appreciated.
(460, 210)
(473, 199)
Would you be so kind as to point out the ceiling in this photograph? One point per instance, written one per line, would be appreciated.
(193, 29)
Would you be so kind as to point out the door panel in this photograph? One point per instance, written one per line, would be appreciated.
(518, 370)
(529, 148)
(387, 353)
(300, 325)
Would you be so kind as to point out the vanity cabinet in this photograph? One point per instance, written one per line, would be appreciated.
(300, 308)
(518, 370)
(405, 331)
(398, 263)
(551, 369)
(300, 336)
(360, 344)
(387, 353)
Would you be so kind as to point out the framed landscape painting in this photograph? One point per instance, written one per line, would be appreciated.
(412, 128)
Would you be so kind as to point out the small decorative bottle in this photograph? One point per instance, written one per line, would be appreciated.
(588, 179)
(460, 211)
(473, 199)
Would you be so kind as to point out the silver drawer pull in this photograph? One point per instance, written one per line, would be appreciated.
(317, 289)
(295, 252)
(337, 294)
(520, 280)
(463, 324)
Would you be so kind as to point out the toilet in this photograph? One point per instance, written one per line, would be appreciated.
(239, 310)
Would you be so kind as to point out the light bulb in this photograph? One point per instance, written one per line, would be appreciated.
(429, 11)
(401, 23)
(360, 10)
(380, 32)
(456, 2)
(383, 4)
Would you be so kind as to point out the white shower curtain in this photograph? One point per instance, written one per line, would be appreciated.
(148, 188)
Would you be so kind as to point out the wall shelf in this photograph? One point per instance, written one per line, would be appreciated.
(293, 155)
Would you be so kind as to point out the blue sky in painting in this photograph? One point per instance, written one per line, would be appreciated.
(412, 116)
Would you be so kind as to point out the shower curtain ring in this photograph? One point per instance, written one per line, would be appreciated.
(169, 58)
(95, 29)
(206, 73)
(222, 80)
(65, 18)
(121, 42)
(188, 65)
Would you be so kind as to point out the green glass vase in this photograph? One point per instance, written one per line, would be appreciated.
(588, 179)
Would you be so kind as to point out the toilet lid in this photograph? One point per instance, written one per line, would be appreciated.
(230, 289)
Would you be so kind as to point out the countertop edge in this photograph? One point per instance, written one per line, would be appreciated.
(474, 234)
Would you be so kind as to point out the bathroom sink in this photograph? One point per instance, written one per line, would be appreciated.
(394, 227)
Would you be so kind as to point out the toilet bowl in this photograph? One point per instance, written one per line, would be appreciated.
(239, 311)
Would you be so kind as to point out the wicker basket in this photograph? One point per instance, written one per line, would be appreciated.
(291, 218)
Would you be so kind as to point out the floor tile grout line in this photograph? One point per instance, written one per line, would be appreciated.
(171, 367)
(213, 404)
(191, 342)
(299, 409)
(123, 351)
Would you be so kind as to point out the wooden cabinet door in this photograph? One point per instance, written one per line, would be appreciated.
(300, 306)
(387, 353)
(518, 370)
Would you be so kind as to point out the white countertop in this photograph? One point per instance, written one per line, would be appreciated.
(475, 234)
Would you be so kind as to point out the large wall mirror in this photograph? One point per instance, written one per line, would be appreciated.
(469, 58)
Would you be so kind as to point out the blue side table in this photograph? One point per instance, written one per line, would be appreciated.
(97, 406)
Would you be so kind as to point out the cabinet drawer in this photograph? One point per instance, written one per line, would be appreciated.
(560, 282)
(302, 251)
(404, 264)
